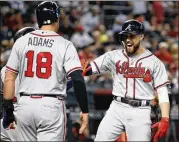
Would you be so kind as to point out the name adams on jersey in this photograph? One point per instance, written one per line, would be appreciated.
(36, 41)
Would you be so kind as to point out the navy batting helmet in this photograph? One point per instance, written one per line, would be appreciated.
(132, 27)
(23, 32)
(47, 12)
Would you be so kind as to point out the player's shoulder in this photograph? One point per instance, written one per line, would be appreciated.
(19, 40)
(154, 58)
(20, 43)
(64, 40)
(116, 51)
(22, 40)
(61, 40)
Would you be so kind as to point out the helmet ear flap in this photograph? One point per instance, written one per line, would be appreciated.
(121, 37)
(142, 28)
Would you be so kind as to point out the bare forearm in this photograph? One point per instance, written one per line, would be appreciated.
(9, 88)
(165, 109)
(9, 85)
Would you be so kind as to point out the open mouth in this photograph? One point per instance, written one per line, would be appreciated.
(129, 45)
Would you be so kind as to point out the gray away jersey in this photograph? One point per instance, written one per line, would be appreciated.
(134, 77)
(43, 60)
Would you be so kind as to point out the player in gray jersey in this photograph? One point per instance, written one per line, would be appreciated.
(136, 74)
(11, 134)
(43, 60)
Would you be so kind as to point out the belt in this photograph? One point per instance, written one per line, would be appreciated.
(132, 102)
(60, 97)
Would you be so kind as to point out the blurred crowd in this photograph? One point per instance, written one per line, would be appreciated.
(93, 28)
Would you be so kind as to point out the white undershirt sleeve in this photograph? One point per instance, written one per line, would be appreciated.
(163, 94)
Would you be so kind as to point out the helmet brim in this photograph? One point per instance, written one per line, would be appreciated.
(126, 33)
(123, 33)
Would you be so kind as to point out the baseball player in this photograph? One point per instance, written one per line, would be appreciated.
(136, 73)
(10, 135)
(43, 60)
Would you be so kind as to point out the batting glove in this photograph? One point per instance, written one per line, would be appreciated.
(8, 116)
(162, 128)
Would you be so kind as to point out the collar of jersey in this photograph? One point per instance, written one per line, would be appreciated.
(45, 32)
(145, 53)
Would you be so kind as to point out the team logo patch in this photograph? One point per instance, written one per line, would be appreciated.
(129, 27)
(133, 72)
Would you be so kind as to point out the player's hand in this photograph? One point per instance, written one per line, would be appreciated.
(9, 121)
(8, 116)
(84, 122)
(12, 126)
(162, 128)
(86, 70)
(85, 66)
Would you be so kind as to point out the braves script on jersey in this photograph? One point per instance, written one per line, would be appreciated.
(43, 59)
(134, 77)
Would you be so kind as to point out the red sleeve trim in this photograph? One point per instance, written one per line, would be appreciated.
(96, 67)
(162, 85)
(73, 69)
(11, 69)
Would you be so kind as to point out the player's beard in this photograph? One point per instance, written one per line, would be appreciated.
(135, 48)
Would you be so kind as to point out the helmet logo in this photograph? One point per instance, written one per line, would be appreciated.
(129, 28)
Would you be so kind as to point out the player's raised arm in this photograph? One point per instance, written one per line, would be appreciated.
(101, 64)
(97, 66)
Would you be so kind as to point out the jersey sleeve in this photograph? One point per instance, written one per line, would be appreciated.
(160, 75)
(3, 71)
(13, 61)
(102, 64)
(71, 60)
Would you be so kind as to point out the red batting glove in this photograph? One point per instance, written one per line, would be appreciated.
(86, 70)
(162, 128)
(85, 66)
(12, 126)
